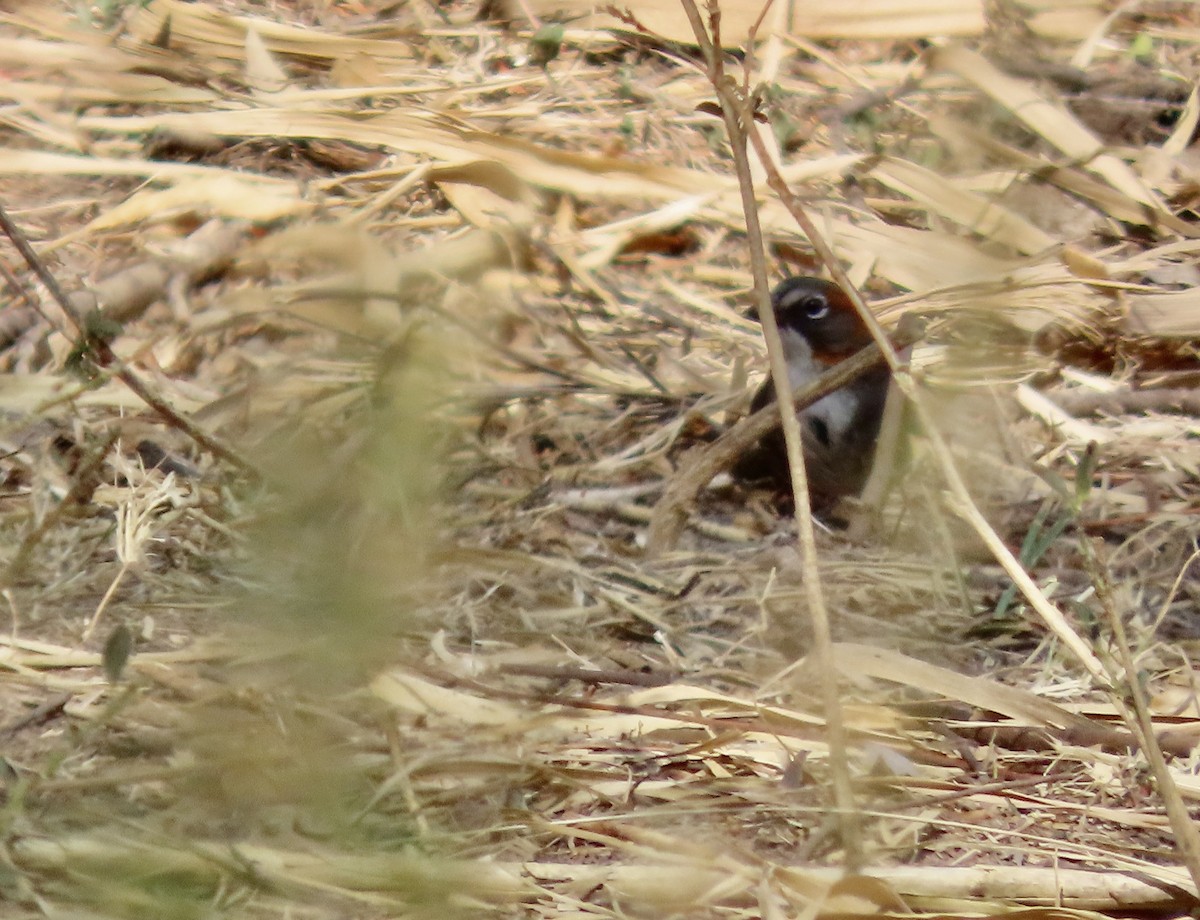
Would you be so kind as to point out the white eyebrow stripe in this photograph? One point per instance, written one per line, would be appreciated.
(793, 297)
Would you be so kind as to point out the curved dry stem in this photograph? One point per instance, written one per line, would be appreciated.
(672, 510)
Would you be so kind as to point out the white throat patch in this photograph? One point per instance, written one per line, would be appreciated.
(836, 410)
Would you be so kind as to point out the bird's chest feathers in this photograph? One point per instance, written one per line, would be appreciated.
(837, 410)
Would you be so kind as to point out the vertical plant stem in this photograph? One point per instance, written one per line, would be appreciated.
(966, 507)
(1140, 721)
(737, 112)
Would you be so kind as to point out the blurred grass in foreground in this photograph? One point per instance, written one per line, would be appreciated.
(268, 766)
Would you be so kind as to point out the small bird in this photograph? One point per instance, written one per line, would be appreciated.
(820, 327)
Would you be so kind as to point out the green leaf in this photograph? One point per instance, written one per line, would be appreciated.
(1142, 47)
(101, 328)
(546, 44)
(1085, 472)
(118, 648)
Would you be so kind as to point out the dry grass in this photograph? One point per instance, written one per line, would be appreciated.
(423, 328)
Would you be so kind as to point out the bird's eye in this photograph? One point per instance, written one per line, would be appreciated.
(815, 307)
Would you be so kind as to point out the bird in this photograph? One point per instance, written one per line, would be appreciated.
(820, 327)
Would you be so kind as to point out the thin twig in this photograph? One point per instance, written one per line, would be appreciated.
(737, 111)
(106, 357)
(623, 676)
(51, 709)
(1136, 714)
(672, 510)
(80, 492)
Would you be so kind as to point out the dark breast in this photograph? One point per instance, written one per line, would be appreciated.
(834, 469)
